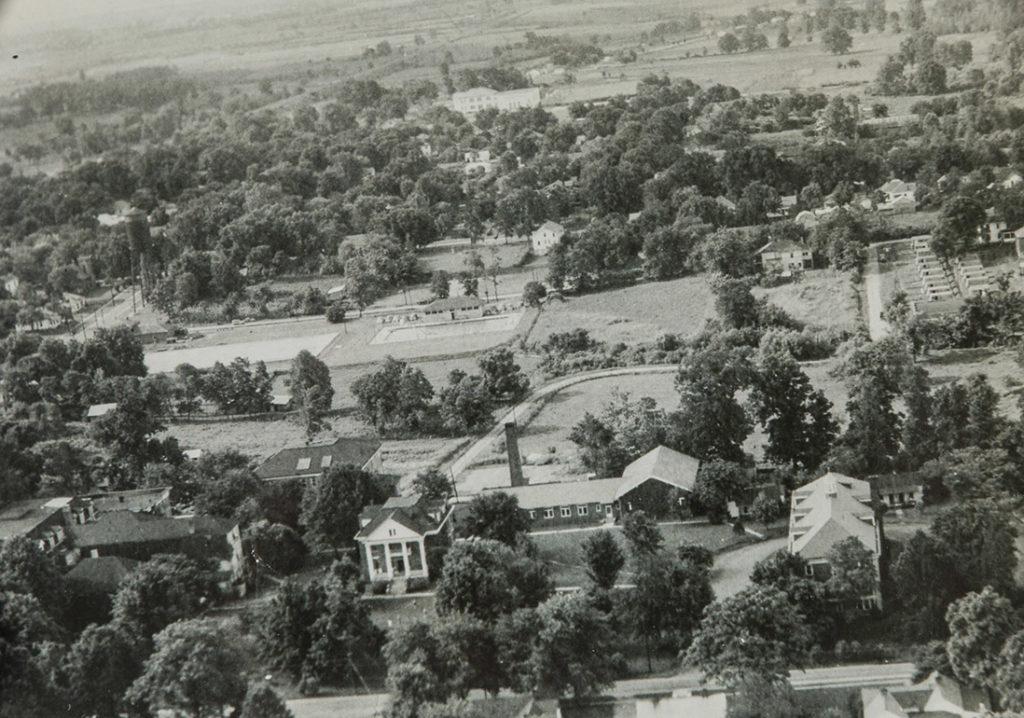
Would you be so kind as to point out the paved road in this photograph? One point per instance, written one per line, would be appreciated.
(467, 457)
(852, 676)
(859, 675)
(731, 571)
(878, 328)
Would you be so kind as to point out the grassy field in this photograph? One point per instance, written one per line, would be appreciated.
(632, 314)
(564, 554)
(822, 297)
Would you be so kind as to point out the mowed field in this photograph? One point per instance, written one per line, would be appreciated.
(820, 297)
(634, 314)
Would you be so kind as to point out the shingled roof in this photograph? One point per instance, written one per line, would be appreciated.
(123, 528)
(102, 572)
(662, 464)
(307, 461)
(828, 510)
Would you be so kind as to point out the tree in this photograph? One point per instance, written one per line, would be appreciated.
(331, 504)
(925, 581)
(395, 396)
(574, 651)
(914, 14)
(766, 508)
(1009, 680)
(873, 433)
(465, 405)
(917, 441)
(980, 538)
(668, 600)
(957, 226)
(336, 312)
(495, 515)
(432, 485)
(439, 283)
(276, 548)
(718, 483)
(98, 669)
(783, 40)
(979, 625)
(930, 78)
(261, 701)
(165, 589)
(983, 419)
(837, 40)
(641, 534)
(764, 697)
(502, 377)
(223, 496)
(625, 430)
(710, 422)
(729, 43)
(319, 629)
(25, 631)
(25, 568)
(311, 387)
(853, 574)
(194, 669)
(757, 631)
(797, 418)
(486, 578)
(534, 294)
(604, 559)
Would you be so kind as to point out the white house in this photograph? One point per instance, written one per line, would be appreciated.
(785, 256)
(395, 538)
(471, 101)
(545, 237)
(896, 189)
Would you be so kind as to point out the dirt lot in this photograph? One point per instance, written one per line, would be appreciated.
(632, 314)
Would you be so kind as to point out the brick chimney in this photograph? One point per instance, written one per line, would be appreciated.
(515, 461)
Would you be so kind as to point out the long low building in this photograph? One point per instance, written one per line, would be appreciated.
(660, 483)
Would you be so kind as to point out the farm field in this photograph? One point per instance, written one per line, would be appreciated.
(454, 261)
(635, 314)
(822, 297)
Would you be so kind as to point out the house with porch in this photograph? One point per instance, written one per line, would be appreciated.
(828, 510)
(399, 540)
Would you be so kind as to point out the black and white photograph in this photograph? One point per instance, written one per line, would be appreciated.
(512, 359)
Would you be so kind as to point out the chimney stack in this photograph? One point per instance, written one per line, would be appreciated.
(515, 461)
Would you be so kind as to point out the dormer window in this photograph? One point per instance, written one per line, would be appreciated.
(303, 464)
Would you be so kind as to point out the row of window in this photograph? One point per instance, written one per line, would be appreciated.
(566, 511)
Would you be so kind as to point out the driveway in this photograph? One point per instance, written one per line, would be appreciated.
(731, 572)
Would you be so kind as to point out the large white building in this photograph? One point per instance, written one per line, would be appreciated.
(545, 237)
(471, 101)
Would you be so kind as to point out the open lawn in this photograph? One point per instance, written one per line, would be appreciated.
(821, 297)
(563, 551)
(635, 314)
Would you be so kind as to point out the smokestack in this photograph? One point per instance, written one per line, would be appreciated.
(515, 461)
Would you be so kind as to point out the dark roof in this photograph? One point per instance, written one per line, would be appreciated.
(409, 511)
(896, 483)
(103, 572)
(453, 303)
(127, 527)
(21, 517)
(287, 462)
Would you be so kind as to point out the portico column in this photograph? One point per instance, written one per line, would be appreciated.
(369, 562)
(387, 560)
(423, 557)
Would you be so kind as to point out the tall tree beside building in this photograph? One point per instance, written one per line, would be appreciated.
(331, 504)
(312, 390)
(979, 624)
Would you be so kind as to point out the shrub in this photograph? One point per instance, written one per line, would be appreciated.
(336, 312)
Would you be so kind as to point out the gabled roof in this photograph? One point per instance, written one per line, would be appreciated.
(412, 512)
(562, 493)
(128, 527)
(937, 696)
(897, 185)
(21, 517)
(828, 510)
(663, 464)
(551, 226)
(98, 410)
(102, 572)
(782, 245)
(132, 500)
(286, 463)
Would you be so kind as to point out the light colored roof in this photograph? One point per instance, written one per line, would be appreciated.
(783, 245)
(665, 465)
(937, 696)
(828, 510)
(20, 517)
(551, 226)
(474, 92)
(98, 410)
(563, 493)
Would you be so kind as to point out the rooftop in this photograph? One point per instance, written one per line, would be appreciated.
(664, 464)
(128, 527)
(20, 517)
(562, 493)
(828, 510)
(312, 460)
(102, 572)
